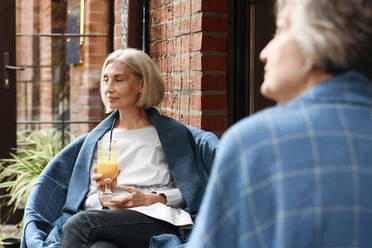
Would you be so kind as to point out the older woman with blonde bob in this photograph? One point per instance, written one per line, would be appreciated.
(299, 174)
(163, 167)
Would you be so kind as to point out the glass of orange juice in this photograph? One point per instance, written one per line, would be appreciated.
(107, 164)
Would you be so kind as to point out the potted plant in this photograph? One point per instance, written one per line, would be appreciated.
(10, 242)
(19, 172)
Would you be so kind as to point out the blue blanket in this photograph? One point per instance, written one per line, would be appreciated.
(63, 185)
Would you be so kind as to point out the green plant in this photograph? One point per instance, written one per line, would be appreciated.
(19, 172)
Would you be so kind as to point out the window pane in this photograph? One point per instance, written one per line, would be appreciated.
(63, 54)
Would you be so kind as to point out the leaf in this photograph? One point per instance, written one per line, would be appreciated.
(26, 162)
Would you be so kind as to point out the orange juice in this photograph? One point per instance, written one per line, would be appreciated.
(107, 168)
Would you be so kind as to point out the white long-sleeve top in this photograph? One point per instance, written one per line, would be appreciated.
(143, 166)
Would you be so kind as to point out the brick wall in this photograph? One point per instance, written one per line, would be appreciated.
(25, 21)
(45, 51)
(85, 100)
(188, 43)
(117, 25)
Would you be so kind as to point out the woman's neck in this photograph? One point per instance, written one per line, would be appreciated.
(132, 118)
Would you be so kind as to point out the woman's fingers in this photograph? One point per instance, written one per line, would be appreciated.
(96, 177)
(121, 202)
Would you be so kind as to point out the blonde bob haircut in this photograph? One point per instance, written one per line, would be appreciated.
(143, 68)
(336, 35)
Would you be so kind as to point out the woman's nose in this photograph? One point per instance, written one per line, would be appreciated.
(263, 54)
(108, 86)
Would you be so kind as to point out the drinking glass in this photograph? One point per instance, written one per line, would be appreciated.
(107, 165)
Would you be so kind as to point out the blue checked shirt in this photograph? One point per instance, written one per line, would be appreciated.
(295, 175)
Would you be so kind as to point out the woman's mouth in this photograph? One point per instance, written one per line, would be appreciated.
(111, 99)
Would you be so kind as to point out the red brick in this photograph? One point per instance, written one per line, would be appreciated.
(170, 12)
(196, 63)
(185, 26)
(177, 64)
(163, 14)
(196, 23)
(96, 5)
(176, 28)
(209, 5)
(185, 102)
(152, 4)
(196, 5)
(213, 44)
(177, 9)
(117, 30)
(214, 63)
(214, 102)
(214, 24)
(186, 81)
(209, 102)
(173, 101)
(169, 29)
(168, 82)
(98, 17)
(95, 113)
(166, 2)
(117, 5)
(202, 81)
(195, 121)
(117, 19)
(185, 119)
(170, 47)
(213, 82)
(169, 65)
(157, 16)
(213, 122)
(185, 7)
(152, 34)
(177, 81)
(117, 42)
(185, 44)
(208, 62)
(196, 42)
(185, 62)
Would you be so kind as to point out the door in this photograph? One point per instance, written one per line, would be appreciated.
(7, 78)
(7, 82)
(251, 26)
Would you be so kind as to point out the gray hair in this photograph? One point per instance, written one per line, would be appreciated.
(335, 34)
(143, 68)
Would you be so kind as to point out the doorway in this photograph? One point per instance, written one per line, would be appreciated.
(251, 26)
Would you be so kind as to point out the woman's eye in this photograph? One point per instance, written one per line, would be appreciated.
(105, 80)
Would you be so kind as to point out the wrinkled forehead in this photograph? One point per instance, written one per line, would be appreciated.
(116, 67)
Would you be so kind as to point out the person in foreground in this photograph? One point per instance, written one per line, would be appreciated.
(163, 169)
(299, 174)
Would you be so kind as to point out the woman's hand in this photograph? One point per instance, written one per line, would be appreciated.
(100, 182)
(135, 198)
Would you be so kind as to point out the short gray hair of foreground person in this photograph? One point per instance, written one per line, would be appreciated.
(334, 34)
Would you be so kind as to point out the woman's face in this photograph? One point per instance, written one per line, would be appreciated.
(121, 87)
(285, 73)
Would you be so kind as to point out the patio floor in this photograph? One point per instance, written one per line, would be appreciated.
(7, 231)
